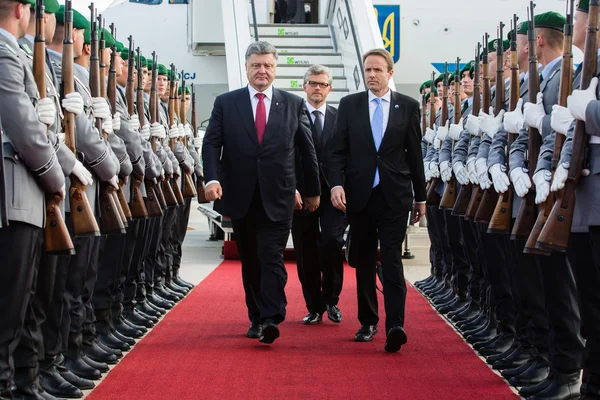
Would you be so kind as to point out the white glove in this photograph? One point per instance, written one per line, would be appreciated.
(499, 177)
(61, 136)
(456, 130)
(472, 171)
(107, 126)
(580, 99)
(114, 182)
(445, 171)
(430, 135)
(82, 173)
(473, 125)
(197, 142)
(541, 180)
(73, 103)
(134, 120)
(534, 113)
(46, 111)
(462, 176)
(442, 131)
(177, 171)
(481, 168)
(157, 130)
(434, 170)
(188, 130)
(491, 125)
(116, 122)
(145, 132)
(427, 172)
(483, 178)
(173, 132)
(560, 177)
(101, 108)
(437, 144)
(561, 119)
(181, 130)
(521, 181)
(514, 120)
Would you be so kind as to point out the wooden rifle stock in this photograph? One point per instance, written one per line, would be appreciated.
(82, 215)
(199, 179)
(110, 218)
(172, 112)
(56, 236)
(556, 231)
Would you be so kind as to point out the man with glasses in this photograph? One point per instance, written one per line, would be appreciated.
(318, 236)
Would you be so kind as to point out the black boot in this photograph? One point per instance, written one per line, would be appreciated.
(27, 385)
(562, 386)
(515, 359)
(147, 309)
(97, 353)
(76, 365)
(536, 373)
(81, 383)
(52, 382)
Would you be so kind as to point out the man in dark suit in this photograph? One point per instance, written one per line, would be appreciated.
(318, 236)
(373, 164)
(249, 166)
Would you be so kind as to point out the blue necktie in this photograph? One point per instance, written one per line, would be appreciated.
(377, 130)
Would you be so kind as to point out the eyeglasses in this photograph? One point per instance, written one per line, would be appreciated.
(322, 85)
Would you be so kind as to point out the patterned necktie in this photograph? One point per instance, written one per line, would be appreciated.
(377, 131)
(261, 117)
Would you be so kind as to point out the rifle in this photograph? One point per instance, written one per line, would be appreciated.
(172, 105)
(566, 87)
(82, 216)
(490, 196)
(502, 217)
(3, 206)
(112, 100)
(150, 204)
(110, 218)
(555, 234)
(56, 236)
(433, 198)
(477, 195)
(466, 192)
(189, 189)
(449, 197)
(199, 181)
(527, 214)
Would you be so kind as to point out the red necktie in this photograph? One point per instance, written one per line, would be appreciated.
(261, 117)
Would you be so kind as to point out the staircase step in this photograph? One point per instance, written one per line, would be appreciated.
(294, 82)
(310, 59)
(337, 70)
(304, 49)
(293, 30)
(334, 96)
(310, 41)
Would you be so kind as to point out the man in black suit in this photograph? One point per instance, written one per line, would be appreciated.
(318, 236)
(249, 166)
(373, 164)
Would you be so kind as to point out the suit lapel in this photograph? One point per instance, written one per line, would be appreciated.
(245, 108)
(275, 116)
(329, 124)
(397, 110)
(366, 120)
(550, 76)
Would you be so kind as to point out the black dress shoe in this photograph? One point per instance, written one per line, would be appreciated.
(492, 359)
(515, 359)
(52, 382)
(178, 289)
(561, 387)
(160, 310)
(148, 310)
(127, 330)
(178, 296)
(109, 349)
(132, 325)
(162, 292)
(270, 332)
(81, 383)
(489, 342)
(81, 369)
(97, 353)
(459, 303)
(31, 392)
(396, 337)
(334, 314)
(254, 331)
(512, 372)
(183, 283)
(139, 320)
(111, 340)
(129, 340)
(536, 373)
(158, 302)
(498, 347)
(365, 333)
(150, 318)
(312, 318)
(100, 366)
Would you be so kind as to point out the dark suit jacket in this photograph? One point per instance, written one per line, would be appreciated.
(320, 145)
(232, 155)
(352, 151)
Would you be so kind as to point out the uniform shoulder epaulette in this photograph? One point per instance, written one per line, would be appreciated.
(10, 49)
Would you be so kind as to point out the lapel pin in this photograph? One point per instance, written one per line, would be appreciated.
(396, 106)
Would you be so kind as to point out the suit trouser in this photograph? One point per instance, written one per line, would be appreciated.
(566, 345)
(318, 240)
(531, 298)
(474, 255)
(180, 232)
(460, 265)
(501, 298)
(261, 243)
(584, 255)
(112, 248)
(21, 249)
(436, 256)
(379, 221)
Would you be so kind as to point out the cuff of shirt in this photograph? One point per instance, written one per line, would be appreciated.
(338, 186)
(210, 183)
(420, 202)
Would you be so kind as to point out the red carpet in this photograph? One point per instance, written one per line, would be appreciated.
(199, 351)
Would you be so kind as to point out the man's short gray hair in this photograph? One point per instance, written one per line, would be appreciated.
(318, 69)
(261, 48)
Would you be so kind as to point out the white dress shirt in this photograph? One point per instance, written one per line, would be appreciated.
(268, 92)
(322, 110)
(385, 105)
